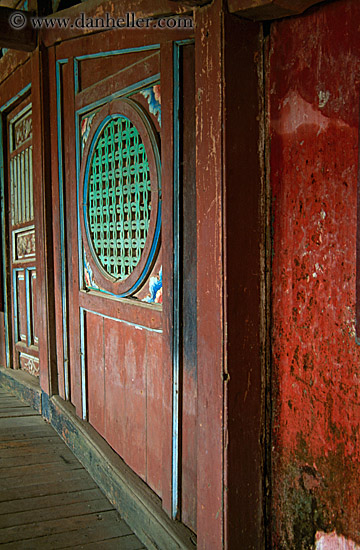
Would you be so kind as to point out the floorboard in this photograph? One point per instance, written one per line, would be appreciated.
(47, 499)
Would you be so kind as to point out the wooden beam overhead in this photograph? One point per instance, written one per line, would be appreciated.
(261, 10)
(16, 31)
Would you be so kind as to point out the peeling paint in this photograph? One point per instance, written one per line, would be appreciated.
(314, 98)
(331, 541)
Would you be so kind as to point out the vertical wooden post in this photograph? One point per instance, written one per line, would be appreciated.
(230, 279)
(42, 214)
(245, 281)
(210, 279)
(56, 223)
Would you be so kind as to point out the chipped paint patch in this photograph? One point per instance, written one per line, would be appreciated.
(332, 541)
(296, 112)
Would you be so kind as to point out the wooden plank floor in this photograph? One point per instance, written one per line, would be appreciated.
(47, 499)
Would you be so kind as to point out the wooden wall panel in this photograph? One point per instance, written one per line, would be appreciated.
(116, 393)
(123, 372)
(94, 338)
(125, 349)
(135, 420)
(95, 69)
(20, 300)
(155, 435)
(34, 312)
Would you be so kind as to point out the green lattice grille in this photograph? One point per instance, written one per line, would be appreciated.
(119, 197)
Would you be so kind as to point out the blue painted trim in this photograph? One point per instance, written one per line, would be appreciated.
(78, 150)
(175, 503)
(15, 98)
(128, 323)
(121, 93)
(28, 307)
(117, 52)
(4, 255)
(3, 108)
(184, 42)
(76, 75)
(83, 365)
(62, 229)
(15, 301)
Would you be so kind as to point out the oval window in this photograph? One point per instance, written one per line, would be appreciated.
(121, 197)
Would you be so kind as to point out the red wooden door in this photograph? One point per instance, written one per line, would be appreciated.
(120, 161)
(22, 254)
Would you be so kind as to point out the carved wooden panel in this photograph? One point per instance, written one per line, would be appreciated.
(22, 239)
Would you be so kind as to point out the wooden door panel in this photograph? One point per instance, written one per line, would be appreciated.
(22, 237)
(19, 311)
(116, 342)
(125, 382)
(143, 70)
(95, 69)
(94, 353)
(33, 309)
(155, 435)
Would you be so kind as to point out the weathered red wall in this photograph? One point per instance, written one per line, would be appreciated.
(314, 108)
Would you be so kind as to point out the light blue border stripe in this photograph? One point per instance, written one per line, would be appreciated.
(15, 299)
(76, 75)
(175, 504)
(28, 306)
(78, 149)
(117, 52)
(83, 365)
(4, 255)
(59, 63)
(3, 108)
(15, 98)
(175, 478)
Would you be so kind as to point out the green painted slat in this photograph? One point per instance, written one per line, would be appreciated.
(119, 197)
